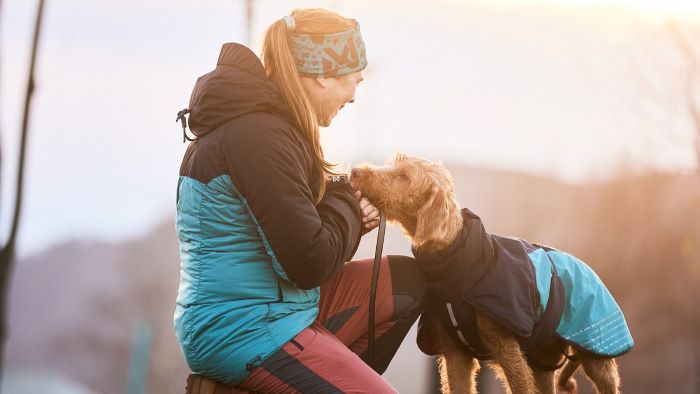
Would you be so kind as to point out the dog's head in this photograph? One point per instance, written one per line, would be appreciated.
(415, 192)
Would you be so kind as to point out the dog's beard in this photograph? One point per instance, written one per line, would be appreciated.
(364, 185)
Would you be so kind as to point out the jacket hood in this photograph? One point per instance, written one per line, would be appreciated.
(237, 86)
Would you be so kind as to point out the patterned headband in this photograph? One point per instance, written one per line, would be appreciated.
(328, 55)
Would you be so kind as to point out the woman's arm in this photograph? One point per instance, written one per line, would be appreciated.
(268, 164)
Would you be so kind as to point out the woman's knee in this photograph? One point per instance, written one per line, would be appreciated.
(407, 280)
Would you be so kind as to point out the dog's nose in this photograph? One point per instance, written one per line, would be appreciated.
(356, 173)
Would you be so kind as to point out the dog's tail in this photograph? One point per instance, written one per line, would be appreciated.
(566, 381)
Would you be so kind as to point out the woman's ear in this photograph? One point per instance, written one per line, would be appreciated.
(430, 218)
(314, 84)
(322, 82)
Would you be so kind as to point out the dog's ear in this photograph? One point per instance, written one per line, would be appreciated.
(430, 218)
(398, 156)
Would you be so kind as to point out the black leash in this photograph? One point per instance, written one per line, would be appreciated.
(373, 289)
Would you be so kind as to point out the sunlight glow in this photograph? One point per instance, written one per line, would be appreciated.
(664, 7)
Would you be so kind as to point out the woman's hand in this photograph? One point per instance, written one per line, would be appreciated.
(370, 214)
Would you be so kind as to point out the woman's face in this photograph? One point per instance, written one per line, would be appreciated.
(329, 95)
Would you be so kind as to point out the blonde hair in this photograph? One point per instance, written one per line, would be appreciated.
(281, 70)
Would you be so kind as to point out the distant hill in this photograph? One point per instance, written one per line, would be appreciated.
(73, 307)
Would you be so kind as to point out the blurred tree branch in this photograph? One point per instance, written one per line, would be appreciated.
(692, 76)
(7, 253)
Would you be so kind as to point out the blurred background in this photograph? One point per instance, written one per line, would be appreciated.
(574, 123)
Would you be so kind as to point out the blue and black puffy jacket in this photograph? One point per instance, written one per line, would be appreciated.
(254, 245)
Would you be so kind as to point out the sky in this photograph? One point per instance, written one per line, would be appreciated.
(571, 89)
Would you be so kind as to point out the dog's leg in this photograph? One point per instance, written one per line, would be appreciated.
(508, 355)
(457, 373)
(603, 373)
(549, 353)
(457, 370)
(566, 381)
(544, 380)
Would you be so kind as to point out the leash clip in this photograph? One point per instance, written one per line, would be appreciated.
(181, 117)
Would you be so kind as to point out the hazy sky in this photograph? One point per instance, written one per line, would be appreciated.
(569, 89)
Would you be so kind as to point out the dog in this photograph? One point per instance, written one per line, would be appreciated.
(531, 309)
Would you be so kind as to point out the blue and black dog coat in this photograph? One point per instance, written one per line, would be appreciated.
(532, 290)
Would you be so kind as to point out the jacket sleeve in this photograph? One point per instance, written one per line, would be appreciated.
(309, 242)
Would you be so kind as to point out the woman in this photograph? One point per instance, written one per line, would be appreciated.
(266, 301)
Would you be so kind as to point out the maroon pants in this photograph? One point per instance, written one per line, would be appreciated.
(330, 355)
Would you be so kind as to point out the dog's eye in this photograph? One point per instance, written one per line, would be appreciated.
(404, 177)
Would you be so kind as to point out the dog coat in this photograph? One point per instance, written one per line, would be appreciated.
(532, 290)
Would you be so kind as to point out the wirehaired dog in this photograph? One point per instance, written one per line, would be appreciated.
(530, 308)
